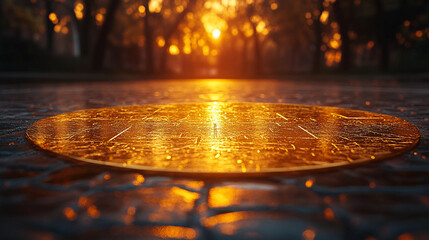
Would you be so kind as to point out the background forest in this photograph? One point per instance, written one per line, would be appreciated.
(214, 37)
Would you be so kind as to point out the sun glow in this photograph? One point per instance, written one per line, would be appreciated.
(216, 33)
(155, 6)
(214, 24)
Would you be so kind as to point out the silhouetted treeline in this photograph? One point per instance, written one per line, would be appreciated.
(214, 37)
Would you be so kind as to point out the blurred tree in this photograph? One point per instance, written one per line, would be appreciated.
(1, 18)
(49, 25)
(85, 28)
(170, 31)
(256, 43)
(22, 27)
(74, 25)
(101, 42)
(382, 38)
(210, 37)
(292, 30)
(341, 7)
(389, 18)
(318, 38)
(148, 39)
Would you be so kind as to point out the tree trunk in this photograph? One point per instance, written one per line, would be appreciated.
(256, 44)
(318, 37)
(101, 43)
(343, 22)
(244, 54)
(256, 50)
(382, 39)
(85, 36)
(148, 41)
(244, 58)
(1, 16)
(49, 27)
(76, 38)
(74, 23)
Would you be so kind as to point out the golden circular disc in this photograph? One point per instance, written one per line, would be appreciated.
(224, 138)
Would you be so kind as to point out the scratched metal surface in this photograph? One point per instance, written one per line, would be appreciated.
(224, 138)
(46, 197)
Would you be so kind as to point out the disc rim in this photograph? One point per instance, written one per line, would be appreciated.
(265, 172)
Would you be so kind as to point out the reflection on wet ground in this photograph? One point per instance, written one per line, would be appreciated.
(245, 138)
(46, 197)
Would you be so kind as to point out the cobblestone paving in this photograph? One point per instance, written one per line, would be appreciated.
(45, 197)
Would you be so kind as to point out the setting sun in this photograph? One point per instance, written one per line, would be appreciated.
(216, 33)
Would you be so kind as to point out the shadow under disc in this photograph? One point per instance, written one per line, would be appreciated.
(224, 138)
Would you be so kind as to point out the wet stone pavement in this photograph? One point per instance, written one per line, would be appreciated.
(46, 197)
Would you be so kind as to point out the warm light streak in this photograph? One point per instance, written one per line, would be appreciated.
(129, 11)
(160, 41)
(57, 28)
(226, 218)
(187, 196)
(131, 210)
(309, 183)
(83, 202)
(406, 236)
(174, 50)
(332, 56)
(139, 180)
(329, 214)
(247, 29)
(206, 50)
(223, 196)
(201, 42)
(69, 213)
(213, 24)
(179, 8)
(93, 211)
(274, 6)
(338, 56)
(308, 234)
(78, 10)
(155, 6)
(99, 18)
(142, 9)
(53, 18)
(324, 17)
(174, 232)
(337, 36)
(419, 33)
(216, 33)
(65, 30)
(335, 44)
(187, 49)
(407, 23)
(167, 13)
(260, 27)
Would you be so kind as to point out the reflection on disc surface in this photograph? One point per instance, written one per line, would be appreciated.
(251, 138)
